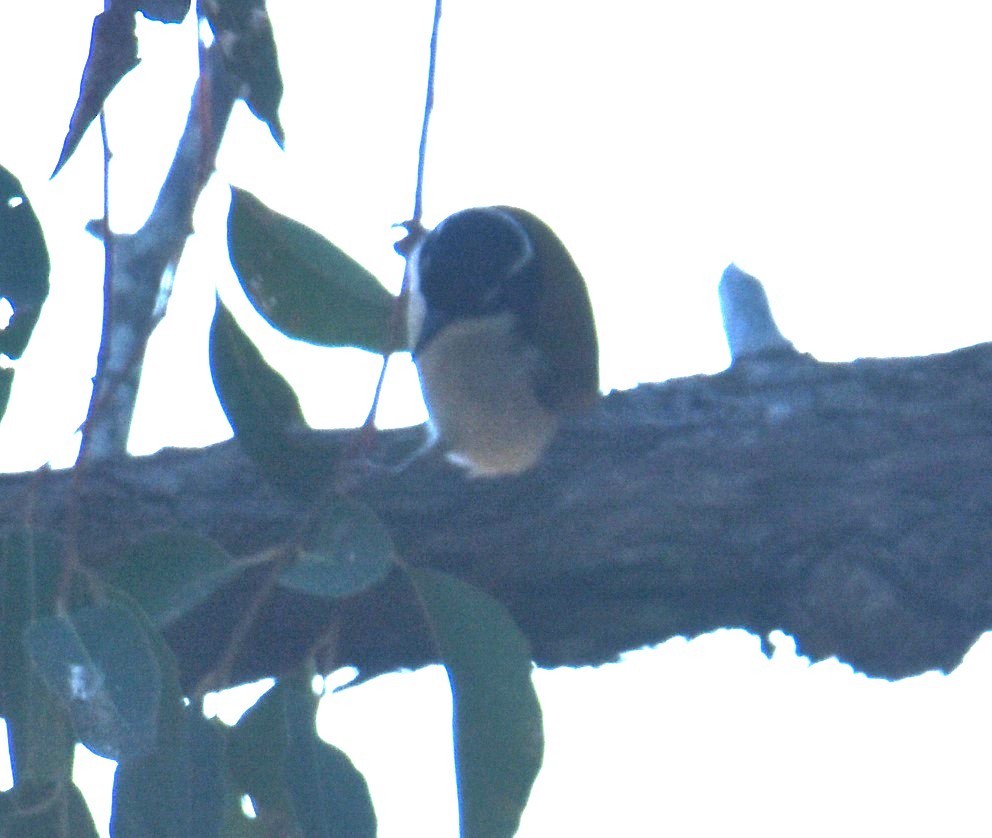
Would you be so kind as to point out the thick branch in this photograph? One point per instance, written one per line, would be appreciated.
(847, 504)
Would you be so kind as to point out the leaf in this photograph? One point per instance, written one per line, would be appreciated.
(6, 382)
(45, 809)
(303, 783)
(178, 791)
(170, 573)
(179, 787)
(345, 551)
(30, 571)
(40, 741)
(100, 663)
(499, 741)
(329, 793)
(257, 400)
(263, 730)
(301, 283)
(113, 54)
(249, 49)
(24, 268)
(262, 408)
(238, 825)
(165, 11)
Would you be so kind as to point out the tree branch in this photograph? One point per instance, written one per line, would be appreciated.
(849, 505)
(137, 264)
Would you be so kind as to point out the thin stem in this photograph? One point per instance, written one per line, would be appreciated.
(370, 419)
(219, 674)
(141, 259)
(108, 239)
(106, 190)
(70, 556)
(108, 285)
(414, 229)
(418, 202)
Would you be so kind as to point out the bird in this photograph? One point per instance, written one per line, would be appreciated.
(502, 333)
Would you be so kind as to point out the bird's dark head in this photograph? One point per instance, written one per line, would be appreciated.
(475, 263)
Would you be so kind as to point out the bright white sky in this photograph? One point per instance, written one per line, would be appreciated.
(840, 152)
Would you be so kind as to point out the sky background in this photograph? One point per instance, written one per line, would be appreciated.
(838, 152)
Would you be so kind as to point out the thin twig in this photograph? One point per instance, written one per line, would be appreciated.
(414, 227)
(141, 260)
(418, 203)
(108, 287)
(324, 651)
(369, 424)
(405, 248)
(70, 556)
(108, 241)
(219, 674)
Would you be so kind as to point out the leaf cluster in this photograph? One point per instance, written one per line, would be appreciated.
(82, 654)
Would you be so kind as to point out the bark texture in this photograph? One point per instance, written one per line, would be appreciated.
(849, 505)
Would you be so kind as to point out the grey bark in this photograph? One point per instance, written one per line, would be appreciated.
(845, 504)
(135, 293)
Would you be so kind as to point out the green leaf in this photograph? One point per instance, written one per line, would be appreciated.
(303, 783)
(178, 791)
(244, 28)
(499, 740)
(53, 810)
(262, 730)
(99, 662)
(262, 408)
(301, 283)
(178, 788)
(169, 573)
(24, 267)
(6, 382)
(346, 550)
(329, 793)
(39, 738)
(238, 825)
(113, 54)
(165, 11)
(257, 400)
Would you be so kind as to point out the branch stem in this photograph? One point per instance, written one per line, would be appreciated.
(418, 202)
